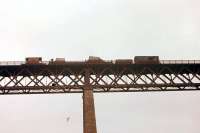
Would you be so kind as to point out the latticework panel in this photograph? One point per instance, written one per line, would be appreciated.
(125, 78)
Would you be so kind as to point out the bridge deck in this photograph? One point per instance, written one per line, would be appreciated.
(109, 77)
(70, 69)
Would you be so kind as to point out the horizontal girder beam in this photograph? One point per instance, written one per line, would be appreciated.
(28, 70)
(103, 78)
(98, 89)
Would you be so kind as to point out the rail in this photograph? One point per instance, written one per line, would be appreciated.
(180, 61)
(9, 63)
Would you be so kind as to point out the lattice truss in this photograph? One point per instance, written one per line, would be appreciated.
(106, 80)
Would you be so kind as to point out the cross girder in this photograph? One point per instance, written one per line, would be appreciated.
(41, 79)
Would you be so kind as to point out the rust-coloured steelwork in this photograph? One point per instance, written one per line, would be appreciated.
(86, 78)
(41, 79)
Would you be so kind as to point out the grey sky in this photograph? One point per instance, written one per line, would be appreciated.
(111, 29)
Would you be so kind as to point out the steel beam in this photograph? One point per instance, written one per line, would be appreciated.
(112, 78)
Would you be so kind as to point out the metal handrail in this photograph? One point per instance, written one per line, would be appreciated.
(180, 61)
(4, 63)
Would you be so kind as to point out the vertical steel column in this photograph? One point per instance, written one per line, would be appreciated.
(89, 120)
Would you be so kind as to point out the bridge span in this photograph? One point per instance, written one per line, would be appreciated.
(82, 77)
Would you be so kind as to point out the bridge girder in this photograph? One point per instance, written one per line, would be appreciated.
(44, 79)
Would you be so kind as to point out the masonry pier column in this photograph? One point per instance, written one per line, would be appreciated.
(89, 120)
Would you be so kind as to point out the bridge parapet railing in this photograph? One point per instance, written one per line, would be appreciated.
(2, 63)
(180, 61)
(9, 63)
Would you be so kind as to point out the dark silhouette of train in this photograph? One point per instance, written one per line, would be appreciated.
(95, 60)
(146, 60)
(33, 60)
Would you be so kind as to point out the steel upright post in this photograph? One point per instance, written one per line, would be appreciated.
(89, 120)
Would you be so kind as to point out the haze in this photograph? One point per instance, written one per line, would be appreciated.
(76, 29)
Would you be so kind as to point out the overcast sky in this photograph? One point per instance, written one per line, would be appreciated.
(111, 29)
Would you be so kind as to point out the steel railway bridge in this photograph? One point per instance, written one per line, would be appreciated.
(19, 78)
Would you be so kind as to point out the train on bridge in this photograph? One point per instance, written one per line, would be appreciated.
(94, 60)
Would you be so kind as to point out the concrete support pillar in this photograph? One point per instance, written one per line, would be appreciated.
(89, 120)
